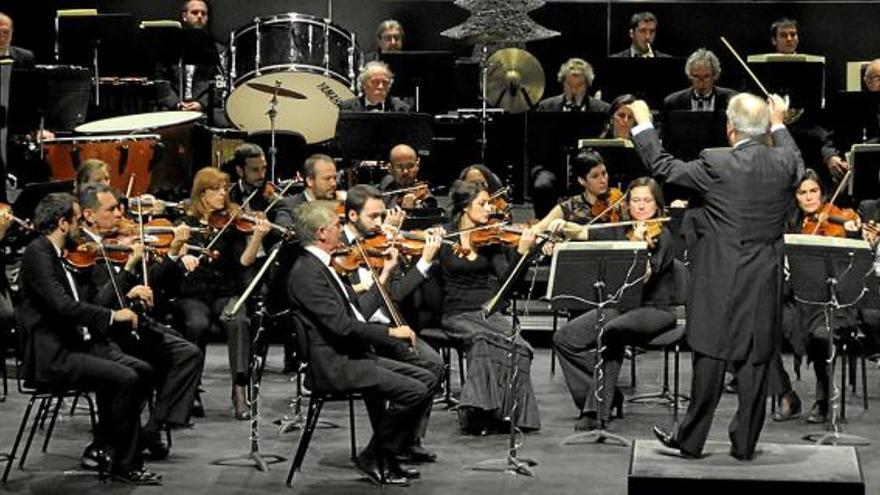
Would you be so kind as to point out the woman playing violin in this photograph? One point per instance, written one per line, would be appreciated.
(211, 286)
(469, 282)
(576, 341)
(595, 200)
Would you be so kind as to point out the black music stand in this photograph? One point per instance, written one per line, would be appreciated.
(650, 79)
(552, 137)
(597, 275)
(105, 42)
(371, 135)
(512, 463)
(801, 77)
(865, 162)
(688, 132)
(58, 95)
(830, 272)
(855, 117)
(621, 158)
(34, 192)
(423, 76)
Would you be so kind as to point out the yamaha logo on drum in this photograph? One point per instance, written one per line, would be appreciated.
(329, 93)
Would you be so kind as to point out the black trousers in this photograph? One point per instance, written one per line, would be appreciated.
(707, 387)
(121, 383)
(198, 315)
(405, 387)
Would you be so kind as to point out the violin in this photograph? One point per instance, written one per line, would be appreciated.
(498, 206)
(828, 221)
(606, 208)
(243, 222)
(652, 231)
(159, 231)
(502, 234)
(420, 192)
(88, 253)
(6, 212)
(347, 259)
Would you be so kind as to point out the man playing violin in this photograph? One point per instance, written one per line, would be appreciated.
(320, 175)
(250, 167)
(403, 173)
(68, 341)
(737, 263)
(177, 362)
(341, 341)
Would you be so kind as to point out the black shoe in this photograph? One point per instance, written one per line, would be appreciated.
(240, 403)
(818, 413)
(141, 477)
(96, 457)
(789, 407)
(731, 386)
(741, 457)
(369, 466)
(394, 469)
(668, 440)
(417, 454)
(616, 408)
(198, 410)
(587, 422)
(155, 447)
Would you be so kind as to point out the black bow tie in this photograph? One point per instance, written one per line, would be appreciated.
(378, 107)
(573, 106)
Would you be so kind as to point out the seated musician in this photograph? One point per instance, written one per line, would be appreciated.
(213, 285)
(341, 340)
(481, 174)
(784, 36)
(586, 207)
(575, 342)
(250, 167)
(389, 38)
(872, 76)
(620, 118)
(68, 341)
(91, 171)
(7, 50)
(576, 76)
(321, 184)
(375, 80)
(469, 277)
(177, 362)
(642, 31)
(703, 69)
(399, 185)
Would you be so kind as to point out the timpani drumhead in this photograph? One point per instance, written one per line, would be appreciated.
(139, 122)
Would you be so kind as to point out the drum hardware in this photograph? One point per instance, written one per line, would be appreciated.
(276, 90)
(272, 113)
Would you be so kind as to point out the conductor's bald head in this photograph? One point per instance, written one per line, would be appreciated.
(748, 117)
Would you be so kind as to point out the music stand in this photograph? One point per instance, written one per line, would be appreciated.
(512, 463)
(621, 158)
(855, 117)
(34, 192)
(423, 76)
(552, 137)
(865, 162)
(57, 94)
(801, 77)
(830, 272)
(597, 275)
(688, 132)
(649, 79)
(371, 135)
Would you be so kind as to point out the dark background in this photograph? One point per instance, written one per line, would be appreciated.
(841, 31)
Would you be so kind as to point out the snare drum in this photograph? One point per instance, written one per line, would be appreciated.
(310, 57)
(126, 155)
(173, 168)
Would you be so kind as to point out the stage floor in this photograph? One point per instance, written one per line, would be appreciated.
(327, 470)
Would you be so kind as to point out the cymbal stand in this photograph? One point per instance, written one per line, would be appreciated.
(273, 114)
(484, 98)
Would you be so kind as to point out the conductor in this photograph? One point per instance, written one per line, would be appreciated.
(736, 280)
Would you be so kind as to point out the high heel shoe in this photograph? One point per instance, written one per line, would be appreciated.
(616, 408)
(240, 403)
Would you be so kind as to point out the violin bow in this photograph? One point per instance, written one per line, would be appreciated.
(610, 207)
(231, 219)
(823, 216)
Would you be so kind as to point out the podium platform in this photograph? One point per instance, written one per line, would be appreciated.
(777, 468)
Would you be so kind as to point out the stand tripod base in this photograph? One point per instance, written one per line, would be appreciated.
(513, 465)
(664, 398)
(835, 438)
(298, 422)
(254, 459)
(596, 436)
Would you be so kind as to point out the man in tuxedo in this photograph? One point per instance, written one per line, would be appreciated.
(250, 168)
(340, 344)
(320, 176)
(68, 339)
(642, 31)
(745, 192)
(576, 76)
(784, 36)
(375, 80)
(18, 55)
(703, 69)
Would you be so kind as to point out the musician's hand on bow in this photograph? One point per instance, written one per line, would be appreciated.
(433, 241)
(125, 315)
(189, 262)
(837, 166)
(141, 293)
(526, 241)
(182, 234)
(137, 252)
(404, 333)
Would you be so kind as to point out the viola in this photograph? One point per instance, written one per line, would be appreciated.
(828, 221)
(88, 253)
(347, 259)
(607, 207)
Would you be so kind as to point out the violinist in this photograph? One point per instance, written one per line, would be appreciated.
(365, 210)
(576, 341)
(250, 166)
(176, 364)
(620, 118)
(469, 282)
(91, 171)
(403, 173)
(480, 174)
(596, 204)
(320, 175)
(68, 342)
(7, 319)
(212, 285)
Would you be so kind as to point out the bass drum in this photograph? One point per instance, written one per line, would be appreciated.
(311, 61)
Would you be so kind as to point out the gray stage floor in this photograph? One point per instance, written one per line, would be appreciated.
(327, 470)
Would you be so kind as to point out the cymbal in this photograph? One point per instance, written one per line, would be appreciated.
(268, 88)
(515, 80)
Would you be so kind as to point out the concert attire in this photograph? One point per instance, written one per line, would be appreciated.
(201, 66)
(559, 103)
(21, 56)
(686, 99)
(575, 342)
(630, 53)
(68, 345)
(388, 184)
(391, 104)
(734, 305)
(485, 396)
(284, 212)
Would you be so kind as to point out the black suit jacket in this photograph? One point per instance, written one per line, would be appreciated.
(681, 100)
(626, 54)
(21, 56)
(392, 104)
(51, 316)
(286, 206)
(554, 104)
(736, 283)
(338, 343)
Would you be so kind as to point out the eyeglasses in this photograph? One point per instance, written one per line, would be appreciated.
(392, 37)
(405, 166)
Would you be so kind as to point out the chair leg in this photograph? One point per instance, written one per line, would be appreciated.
(552, 347)
(351, 426)
(15, 445)
(675, 376)
(73, 406)
(93, 417)
(632, 367)
(48, 434)
(30, 439)
(843, 372)
(461, 370)
(315, 404)
(864, 382)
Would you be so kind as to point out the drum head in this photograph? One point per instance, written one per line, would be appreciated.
(139, 122)
(313, 117)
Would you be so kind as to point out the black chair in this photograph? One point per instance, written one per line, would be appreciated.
(670, 339)
(445, 343)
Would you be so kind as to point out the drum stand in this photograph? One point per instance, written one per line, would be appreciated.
(484, 97)
(273, 114)
(258, 359)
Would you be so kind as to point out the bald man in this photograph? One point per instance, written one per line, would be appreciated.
(403, 172)
(872, 76)
(18, 55)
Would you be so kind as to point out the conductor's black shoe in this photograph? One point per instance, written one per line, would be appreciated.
(818, 413)
(731, 386)
(198, 410)
(789, 407)
(96, 457)
(587, 422)
(668, 439)
(141, 477)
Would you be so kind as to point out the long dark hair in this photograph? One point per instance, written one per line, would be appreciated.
(462, 195)
(624, 99)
